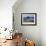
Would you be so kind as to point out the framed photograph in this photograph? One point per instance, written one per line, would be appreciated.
(28, 18)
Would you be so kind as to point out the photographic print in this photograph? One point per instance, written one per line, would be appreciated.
(28, 18)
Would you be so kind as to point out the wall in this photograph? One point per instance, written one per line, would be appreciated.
(6, 16)
(29, 32)
(6, 13)
(43, 22)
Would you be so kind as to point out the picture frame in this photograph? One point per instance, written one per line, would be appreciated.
(29, 19)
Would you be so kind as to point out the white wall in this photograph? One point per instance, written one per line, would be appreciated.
(6, 13)
(43, 22)
(31, 32)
